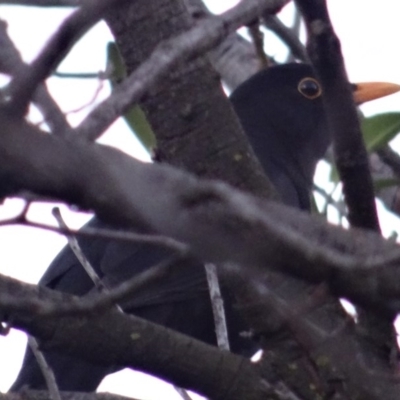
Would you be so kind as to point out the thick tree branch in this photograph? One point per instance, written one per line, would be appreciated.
(234, 59)
(195, 126)
(43, 3)
(331, 254)
(332, 349)
(350, 154)
(132, 342)
(187, 46)
(210, 196)
(351, 157)
(44, 395)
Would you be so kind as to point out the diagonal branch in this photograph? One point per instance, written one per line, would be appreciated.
(72, 29)
(45, 369)
(11, 62)
(203, 37)
(274, 24)
(350, 262)
(132, 342)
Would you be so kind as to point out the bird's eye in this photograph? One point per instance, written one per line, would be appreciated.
(310, 88)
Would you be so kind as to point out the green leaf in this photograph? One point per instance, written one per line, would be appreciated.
(135, 117)
(138, 123)
(115, 64)
(334, 174)
(380, 129)
(393, 237)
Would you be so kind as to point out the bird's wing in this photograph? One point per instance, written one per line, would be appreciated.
(116, 262)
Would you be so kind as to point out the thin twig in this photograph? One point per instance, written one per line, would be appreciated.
(78, 75)
(296, 25)
(258, 42)
(329, 200)
(391, 158)
(183, 393)
(90, 102)
(11, 62)
(111, 234)
(73, 28)
(74, 245)
(96, 301)
(217, 303)
(124, 289)
(274, 24)
(45, 368)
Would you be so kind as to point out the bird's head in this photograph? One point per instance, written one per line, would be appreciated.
(282, 112)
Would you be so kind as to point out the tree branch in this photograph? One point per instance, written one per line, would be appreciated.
(187, 46)
(43, 3)
(44, 395)
(10, 63)
(274, 24)
(330, 253)
(25, 82)
(132, 342)
(350, 154)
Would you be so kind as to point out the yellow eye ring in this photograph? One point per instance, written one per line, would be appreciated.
(309, 88)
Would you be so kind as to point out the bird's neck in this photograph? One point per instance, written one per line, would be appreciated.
(290, 171)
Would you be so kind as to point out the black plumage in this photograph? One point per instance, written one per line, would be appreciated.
(282, 113)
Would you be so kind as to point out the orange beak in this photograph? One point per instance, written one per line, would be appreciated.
(367, 91)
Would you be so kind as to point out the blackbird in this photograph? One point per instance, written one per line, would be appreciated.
(282, 113)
